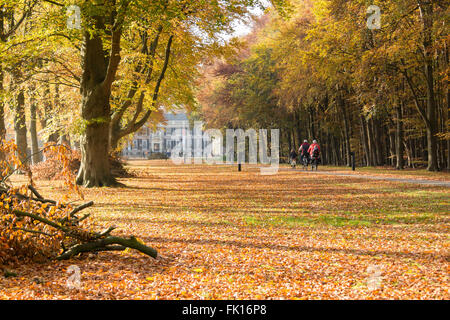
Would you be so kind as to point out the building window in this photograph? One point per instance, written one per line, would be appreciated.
(156, 147)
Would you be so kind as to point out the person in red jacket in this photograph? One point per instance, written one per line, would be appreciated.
(314, 147)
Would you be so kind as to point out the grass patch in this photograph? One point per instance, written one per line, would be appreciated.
(331, 220)
(340, 221)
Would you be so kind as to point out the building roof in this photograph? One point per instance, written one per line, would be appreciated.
(176, 117)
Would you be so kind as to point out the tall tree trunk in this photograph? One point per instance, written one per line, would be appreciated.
(2, 104)
(371, 135)
(308, 128)
(94, 170)
(365, 140)
(392, 148)
(378, 142)
(299, 127)
(432, 129)
(288, 135)
(46, 116)
(447, 103)
(447, 112)
(36, 156)
(114, 136)
(95, 112)
(311, 123)
(333, 150)
(426, 12)
(2, 110)
(399, 147)
(327, 154)
(20, 126)
(342, 106)
(294, 139)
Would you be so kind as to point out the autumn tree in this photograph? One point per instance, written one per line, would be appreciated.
(118, 96)
(374, 92)
(13, 15)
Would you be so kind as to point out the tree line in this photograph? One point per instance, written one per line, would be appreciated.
(319, 72)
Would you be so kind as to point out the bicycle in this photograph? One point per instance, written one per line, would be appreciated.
(305, 162)
(314, 163)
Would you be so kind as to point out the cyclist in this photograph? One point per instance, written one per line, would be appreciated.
(293, 157)
(314, 151)
(304, 150)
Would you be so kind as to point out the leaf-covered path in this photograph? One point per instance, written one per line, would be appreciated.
(425, 182)
(228, 235)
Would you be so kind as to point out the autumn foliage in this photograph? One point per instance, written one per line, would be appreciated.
(32, 227)
(23, 237)
(224, 234)
(53, 169)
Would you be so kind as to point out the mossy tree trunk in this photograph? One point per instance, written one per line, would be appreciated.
(99, 69)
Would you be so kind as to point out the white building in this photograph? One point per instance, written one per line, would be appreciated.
(176, 132)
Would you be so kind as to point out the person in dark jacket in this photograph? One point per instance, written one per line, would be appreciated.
(293, 158)
(304, 150)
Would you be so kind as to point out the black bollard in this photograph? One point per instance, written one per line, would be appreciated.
(239, 167)
(353, 161)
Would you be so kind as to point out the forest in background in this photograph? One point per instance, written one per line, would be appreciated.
(319, 72)
(311, 68)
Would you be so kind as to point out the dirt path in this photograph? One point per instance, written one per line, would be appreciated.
(372, 177)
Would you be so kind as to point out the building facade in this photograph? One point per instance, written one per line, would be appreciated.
(175, 133)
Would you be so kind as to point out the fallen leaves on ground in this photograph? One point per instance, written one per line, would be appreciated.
(223, 234)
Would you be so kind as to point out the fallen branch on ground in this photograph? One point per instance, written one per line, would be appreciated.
(81, 241)
(34, 227)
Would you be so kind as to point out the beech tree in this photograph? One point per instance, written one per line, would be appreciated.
(135, 56)
(150, 32)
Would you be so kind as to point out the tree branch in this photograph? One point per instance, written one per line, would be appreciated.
(134, 126)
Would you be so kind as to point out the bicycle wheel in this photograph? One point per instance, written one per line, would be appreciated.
(314, 165)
